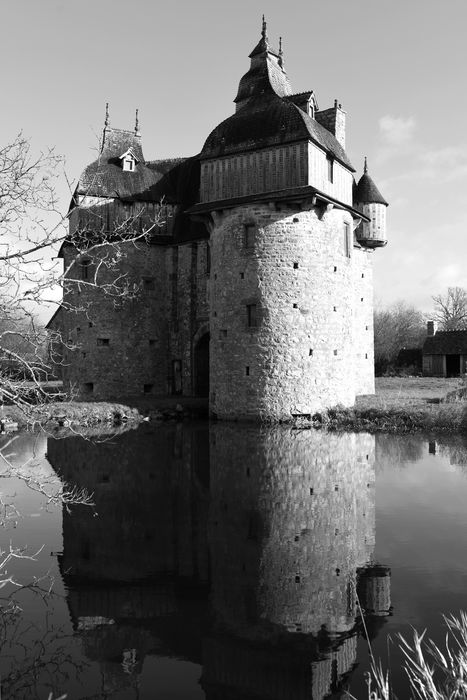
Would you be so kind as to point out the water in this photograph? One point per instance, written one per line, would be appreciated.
(226, 562)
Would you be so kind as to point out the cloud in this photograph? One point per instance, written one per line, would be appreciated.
(396, 131)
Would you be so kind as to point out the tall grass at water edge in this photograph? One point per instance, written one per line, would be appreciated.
(432, 673)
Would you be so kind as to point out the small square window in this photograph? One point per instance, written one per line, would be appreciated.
(152, 341)
(295, 266)
(103, 342)
(149, 284)
(147, 388)
(88, 387)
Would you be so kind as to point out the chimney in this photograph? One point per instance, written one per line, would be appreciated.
(333, 119)
(431, 328)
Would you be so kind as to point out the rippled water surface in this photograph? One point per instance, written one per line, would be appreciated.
(225, 562)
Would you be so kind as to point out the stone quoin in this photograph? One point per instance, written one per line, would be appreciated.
(253, 285)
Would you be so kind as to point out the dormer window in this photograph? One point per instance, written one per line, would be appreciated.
(128, 160)
(311, 108)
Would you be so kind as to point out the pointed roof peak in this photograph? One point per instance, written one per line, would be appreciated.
(263, 44)
(367, 192)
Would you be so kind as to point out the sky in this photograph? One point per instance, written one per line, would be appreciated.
(397, 67)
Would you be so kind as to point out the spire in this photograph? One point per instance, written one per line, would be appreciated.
(365, 166)
(263, 44)
(281, 53)
(137, 131)
(107, 119)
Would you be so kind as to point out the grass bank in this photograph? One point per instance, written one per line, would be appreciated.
(404, 405)
(70, 414)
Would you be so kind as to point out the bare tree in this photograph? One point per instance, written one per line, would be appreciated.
(396, 327)
(450, 309)
(32, 229)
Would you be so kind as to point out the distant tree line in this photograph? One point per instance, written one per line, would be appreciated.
(400, 330)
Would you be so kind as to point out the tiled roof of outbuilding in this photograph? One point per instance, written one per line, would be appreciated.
(446, 343)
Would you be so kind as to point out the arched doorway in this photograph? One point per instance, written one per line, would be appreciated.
(201, 366)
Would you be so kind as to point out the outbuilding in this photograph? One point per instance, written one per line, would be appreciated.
(444, 352)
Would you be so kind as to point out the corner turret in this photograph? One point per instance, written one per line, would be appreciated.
(371, 202)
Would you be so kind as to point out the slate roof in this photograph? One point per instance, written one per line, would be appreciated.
(446, 343)
(367, 192)
(264, 77)
(270, 120)
(105, 176)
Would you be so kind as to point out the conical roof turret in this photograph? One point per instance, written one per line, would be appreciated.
(367, 192)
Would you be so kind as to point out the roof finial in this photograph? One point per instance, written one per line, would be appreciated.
(264, 29)
(281, 53)
(107, 119)
(365, 166)
(137, 131)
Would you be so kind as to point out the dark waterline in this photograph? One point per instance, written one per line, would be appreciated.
(227, 562)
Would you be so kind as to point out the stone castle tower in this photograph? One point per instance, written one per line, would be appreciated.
(258, 290)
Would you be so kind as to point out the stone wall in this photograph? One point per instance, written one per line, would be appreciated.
(117, 343)
(303, 276)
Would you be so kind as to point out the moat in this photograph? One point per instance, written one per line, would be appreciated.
(227, 561)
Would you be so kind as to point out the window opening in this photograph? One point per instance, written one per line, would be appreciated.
(347, 241)
(249, 230)
(85, 269)
(252, 315)
(149, 283)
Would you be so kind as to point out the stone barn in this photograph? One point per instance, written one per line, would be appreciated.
(252, 283)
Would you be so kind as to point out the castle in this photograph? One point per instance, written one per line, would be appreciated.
(251, 279)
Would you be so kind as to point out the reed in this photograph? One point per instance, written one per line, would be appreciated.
(432, 673)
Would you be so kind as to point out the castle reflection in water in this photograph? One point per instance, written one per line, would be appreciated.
(244, 549)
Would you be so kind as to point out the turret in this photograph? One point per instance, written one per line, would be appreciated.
(371, 202)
